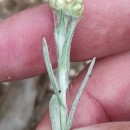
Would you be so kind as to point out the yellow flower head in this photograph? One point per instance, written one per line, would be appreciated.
(73, 8)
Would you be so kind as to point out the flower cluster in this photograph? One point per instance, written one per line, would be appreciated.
(73, 8)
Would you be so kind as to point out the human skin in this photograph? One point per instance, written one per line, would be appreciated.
(103, 32)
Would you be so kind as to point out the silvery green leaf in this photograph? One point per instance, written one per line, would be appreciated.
(64, 60)
(54, 113)
(65, 57)
(49, 67)
(74, 105)
(60, 31)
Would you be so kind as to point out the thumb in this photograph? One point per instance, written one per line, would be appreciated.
(108, 126)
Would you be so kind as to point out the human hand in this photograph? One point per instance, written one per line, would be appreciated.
(104, 30)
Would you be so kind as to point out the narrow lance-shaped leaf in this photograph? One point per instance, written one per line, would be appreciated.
(65, 57)
(54, 113)
(60, 31)
(49, 67)
(74, 105)
(64, 60)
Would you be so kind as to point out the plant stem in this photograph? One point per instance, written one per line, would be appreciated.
(66, 14)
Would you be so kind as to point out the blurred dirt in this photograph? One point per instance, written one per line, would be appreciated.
(9, 7)
(13, 96)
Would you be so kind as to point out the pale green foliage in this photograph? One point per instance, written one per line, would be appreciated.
(71, 114)
(54, 113)
(67, 14)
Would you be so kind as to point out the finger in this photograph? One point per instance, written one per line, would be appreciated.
(20, 43)
(103, 30)
(108, 126)
(45, 124)
(107, 90)
(106, 95)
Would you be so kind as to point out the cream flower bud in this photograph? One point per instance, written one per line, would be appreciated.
(73, 8)
(57, 4)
